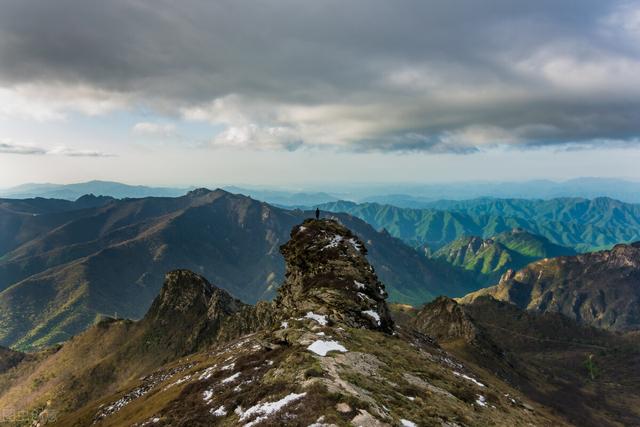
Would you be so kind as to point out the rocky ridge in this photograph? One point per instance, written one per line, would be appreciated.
(598, 288)
(328, 274)
(320, 355)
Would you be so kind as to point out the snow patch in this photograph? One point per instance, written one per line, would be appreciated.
(207, 395)
(262, 411)
(468, 378)
(333, 243)
(207, 373)
(481, 400)
(359, 285)
(320, 318)
(321, 347)
(228, 367)
(284, 324)
(220, 412)
(374, 315)
(231, 378)
(407, 423)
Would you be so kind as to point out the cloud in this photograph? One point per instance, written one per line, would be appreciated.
(74, 152)
(8, 147)
(456, 76)
(162, 130)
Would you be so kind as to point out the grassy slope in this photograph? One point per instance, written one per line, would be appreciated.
(490, 258)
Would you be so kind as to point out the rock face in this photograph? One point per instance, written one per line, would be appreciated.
(190, 313)
(599, 288)
(445, 320)
(328, 274)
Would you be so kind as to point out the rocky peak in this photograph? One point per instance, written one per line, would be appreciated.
(182, 293)
(198, 192)
(445, 320)
(189, 312)
(328, 274)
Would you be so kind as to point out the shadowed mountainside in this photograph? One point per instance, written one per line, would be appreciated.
(67, 269)
(324, 352)
(587, 375)
(599, 288)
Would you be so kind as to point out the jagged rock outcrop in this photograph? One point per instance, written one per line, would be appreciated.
(599, 288)
(445, 320)
(190, 313)
(328, 274)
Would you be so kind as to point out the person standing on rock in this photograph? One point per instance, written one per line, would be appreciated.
(317, 213)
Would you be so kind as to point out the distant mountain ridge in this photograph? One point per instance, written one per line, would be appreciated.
(581, 224)
(100, 188)
(599, 288)
(491, 257)
(61, 271)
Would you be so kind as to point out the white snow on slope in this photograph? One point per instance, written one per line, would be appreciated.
(481, 400)
(231, 378)
(375, 316)
(220, 412)
(320, 318)
(263, 410)
(321, 348)
(467, 377)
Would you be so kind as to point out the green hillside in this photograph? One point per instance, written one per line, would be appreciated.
(578, 223)
(490, 258)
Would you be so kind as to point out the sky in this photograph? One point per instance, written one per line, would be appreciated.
(272, 92)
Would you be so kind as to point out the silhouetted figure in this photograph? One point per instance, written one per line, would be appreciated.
(317, 213)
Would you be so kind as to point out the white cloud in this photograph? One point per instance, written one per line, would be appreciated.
(74, 152)
(162, 130)
(42, 102)
(9, 147)
(254, 136)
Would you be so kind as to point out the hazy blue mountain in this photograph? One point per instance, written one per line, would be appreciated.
(582, 224)
(285, 198)
(99, 188)
(423, 195)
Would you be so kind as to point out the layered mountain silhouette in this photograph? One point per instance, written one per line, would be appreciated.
(599, 288)
(64, 265)
(325, 352)
(581, 224)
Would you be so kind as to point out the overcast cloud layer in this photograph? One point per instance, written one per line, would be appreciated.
(443, 76)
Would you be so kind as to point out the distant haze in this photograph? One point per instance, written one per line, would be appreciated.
(402, 194)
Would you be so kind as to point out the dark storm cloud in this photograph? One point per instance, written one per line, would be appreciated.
(384, 75)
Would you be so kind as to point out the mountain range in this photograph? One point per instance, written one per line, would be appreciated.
(581, 224)
(599, 288)
(100, 188)
(64, 265)
(328, 351)
(405, 195)
(490, 258)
